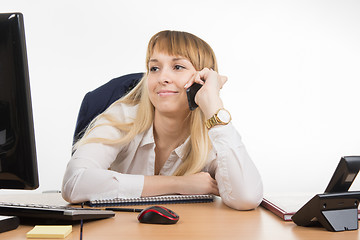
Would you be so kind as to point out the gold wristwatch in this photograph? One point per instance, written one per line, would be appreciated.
(221, 117)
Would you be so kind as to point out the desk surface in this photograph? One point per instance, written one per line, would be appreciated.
(197, 221)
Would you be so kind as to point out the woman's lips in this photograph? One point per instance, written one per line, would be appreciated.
(164, 93)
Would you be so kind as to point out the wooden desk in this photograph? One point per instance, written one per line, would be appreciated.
(197, 221)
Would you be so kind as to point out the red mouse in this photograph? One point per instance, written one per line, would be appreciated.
(158, 215)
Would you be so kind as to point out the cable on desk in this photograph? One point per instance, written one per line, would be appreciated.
(81, 224)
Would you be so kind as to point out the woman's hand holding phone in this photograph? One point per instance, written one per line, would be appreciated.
(207, 96)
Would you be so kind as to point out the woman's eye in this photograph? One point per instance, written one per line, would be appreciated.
(179, 67)
(154, 69)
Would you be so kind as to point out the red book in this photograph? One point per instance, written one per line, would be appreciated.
(277, 210)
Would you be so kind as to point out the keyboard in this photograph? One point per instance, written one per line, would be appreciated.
(53, 213)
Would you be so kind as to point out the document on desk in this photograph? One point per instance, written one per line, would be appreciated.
(165, 199)
(285, 205)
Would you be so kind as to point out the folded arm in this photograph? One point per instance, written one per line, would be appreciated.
(238, 180)
(88, 177)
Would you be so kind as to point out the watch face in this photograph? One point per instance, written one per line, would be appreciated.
(224, 116)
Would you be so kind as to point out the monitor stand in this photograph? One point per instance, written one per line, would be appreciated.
(8, 223)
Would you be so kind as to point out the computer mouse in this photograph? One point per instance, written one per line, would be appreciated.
(158, 215)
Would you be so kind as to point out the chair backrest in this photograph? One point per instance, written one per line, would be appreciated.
(98, 100)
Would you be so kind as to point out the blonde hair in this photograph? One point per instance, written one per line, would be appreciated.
(173, 43)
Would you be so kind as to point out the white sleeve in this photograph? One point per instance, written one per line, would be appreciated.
(238, 179)
(87, 176)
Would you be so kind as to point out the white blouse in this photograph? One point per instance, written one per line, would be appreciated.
(99, 171)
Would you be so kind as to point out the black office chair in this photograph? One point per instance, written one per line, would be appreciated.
(98, 100)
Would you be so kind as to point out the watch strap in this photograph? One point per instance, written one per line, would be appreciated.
(215, 120)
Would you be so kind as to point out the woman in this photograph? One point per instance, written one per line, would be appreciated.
(149, 142)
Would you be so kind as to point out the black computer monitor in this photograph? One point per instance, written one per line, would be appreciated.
(18, 164)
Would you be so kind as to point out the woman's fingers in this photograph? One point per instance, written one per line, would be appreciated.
(198, 183)
(207, 74)
(215, 189)
(223, 80)
(195, 79)
(212, 77)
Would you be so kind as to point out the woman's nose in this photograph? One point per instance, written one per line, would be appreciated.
(165, 76)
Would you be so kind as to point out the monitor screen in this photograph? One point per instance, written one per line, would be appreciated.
(18, 164)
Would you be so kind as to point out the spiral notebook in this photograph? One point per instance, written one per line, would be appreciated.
(165, 199)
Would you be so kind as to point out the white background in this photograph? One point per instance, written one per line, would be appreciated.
(293, 68)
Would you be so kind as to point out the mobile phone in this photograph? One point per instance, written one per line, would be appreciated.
(191, 92)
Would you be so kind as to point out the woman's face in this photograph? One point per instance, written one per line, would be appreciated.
(166, 80)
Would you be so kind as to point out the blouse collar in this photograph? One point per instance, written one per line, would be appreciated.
(148, 138)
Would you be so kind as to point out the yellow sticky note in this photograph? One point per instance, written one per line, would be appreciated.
(45, 231)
